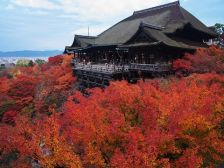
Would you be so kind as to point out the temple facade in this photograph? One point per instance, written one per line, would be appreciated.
(142, 45)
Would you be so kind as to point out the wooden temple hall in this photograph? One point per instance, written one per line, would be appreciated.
(140, 46)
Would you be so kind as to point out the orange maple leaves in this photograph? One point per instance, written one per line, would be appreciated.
(167, 123)
(158, 123)
(203, 61)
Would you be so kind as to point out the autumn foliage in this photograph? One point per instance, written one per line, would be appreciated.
(173, 122)
(32, 90)
(203, 61)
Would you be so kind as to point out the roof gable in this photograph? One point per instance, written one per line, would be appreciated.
(170, 17)
(196, 23)
(83, 41)
(156, 23)
(140, 37)
(124, 30)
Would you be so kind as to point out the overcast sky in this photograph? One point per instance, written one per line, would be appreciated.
(51, 24)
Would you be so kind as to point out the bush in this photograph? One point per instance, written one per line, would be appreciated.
(203, 61)
(40, 62)
(24, 63)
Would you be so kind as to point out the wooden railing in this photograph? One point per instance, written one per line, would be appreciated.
(106, 68)
(111, 68)
(151, 67)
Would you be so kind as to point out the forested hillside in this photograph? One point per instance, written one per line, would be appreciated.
(176, 121)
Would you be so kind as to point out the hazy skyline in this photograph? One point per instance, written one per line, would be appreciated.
(51, 24)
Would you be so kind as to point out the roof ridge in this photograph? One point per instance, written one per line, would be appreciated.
(157, 7)
(141, 11)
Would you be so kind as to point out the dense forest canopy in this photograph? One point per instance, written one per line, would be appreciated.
(166, 122)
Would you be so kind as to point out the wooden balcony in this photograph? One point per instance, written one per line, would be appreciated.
(101, 68)
(112, 69)
(150, 67)
(100, 75)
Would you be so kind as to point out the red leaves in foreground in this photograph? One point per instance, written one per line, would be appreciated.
(22, 90)
(160, 123)
(56, 60)
(38, 142)
(147, 125)
(9, 117)
(32, 90)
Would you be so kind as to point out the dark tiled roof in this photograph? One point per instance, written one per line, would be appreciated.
(80, 42)
(83, 41)
(159, 36)
(170, 17)
(158, 22)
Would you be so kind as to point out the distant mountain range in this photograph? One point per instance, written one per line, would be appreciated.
(30, 53)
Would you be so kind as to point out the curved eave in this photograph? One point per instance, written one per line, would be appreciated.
(135, 45)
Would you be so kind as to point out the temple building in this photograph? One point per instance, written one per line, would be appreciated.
(145, 43)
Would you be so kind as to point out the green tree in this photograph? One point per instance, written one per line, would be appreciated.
(219, 28)
(40, 62)
(24, 63)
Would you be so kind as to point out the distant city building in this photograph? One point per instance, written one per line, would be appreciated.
(13, 60)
